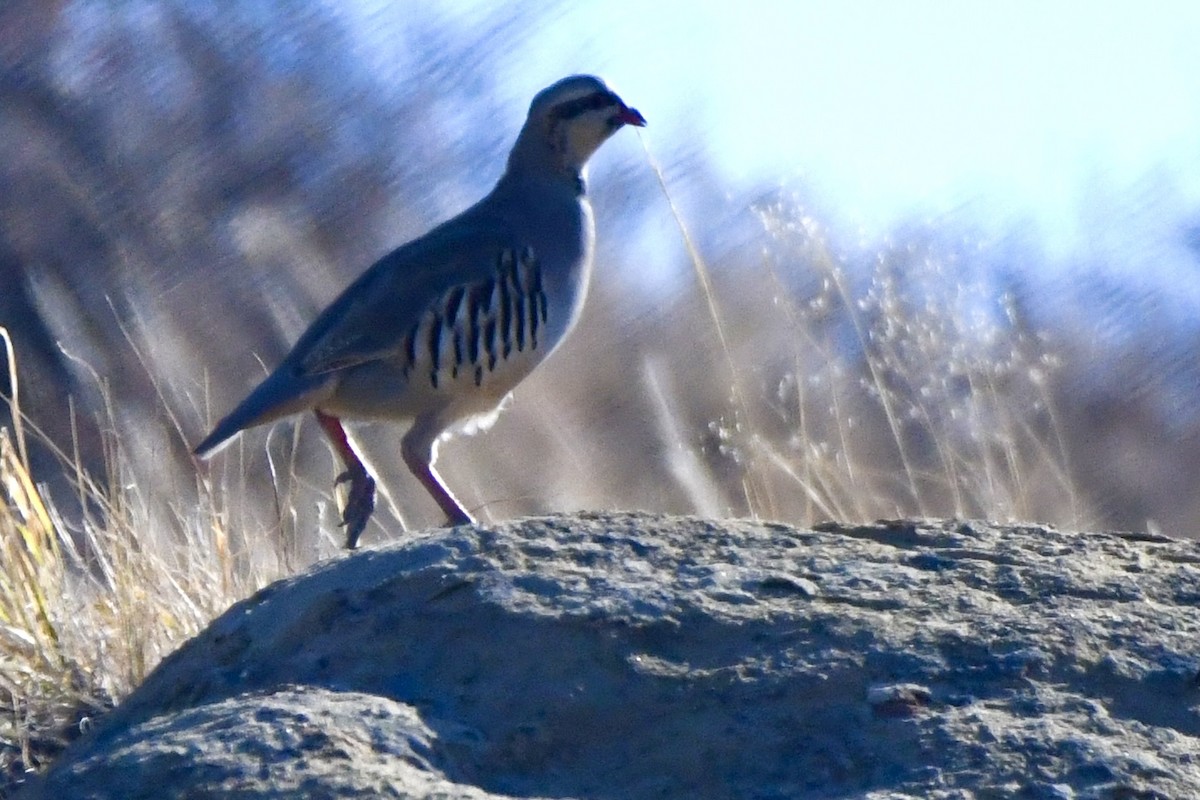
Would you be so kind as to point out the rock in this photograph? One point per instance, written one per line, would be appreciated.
(291, 741)
(637, 656)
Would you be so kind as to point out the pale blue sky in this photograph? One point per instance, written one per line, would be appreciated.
(884, 110)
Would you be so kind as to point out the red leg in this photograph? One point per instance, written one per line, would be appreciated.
(419, 448)
(361, 500)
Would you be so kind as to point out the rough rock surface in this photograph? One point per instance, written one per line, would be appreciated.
(633, 656)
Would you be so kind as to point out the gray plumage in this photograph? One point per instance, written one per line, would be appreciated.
(441, 329)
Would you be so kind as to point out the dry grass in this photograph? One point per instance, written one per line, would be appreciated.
(910, 392)
(87, 610)
(877, 383)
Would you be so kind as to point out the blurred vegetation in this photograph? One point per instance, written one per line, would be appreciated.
(184, 185)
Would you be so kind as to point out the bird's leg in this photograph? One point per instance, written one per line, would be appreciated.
(360, 502)
(419, 448)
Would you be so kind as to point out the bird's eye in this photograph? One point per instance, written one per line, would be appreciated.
(592, 102)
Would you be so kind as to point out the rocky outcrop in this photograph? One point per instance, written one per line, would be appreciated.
(633, 656)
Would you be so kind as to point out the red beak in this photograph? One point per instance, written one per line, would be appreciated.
(631, 116)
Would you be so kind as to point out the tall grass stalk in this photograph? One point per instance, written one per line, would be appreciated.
(753, 493)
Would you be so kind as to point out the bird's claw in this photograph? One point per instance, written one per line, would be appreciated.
(360, 503)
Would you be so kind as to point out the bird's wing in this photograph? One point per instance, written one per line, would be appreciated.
(370, 319)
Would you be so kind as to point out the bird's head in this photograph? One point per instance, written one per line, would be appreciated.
(569, 120)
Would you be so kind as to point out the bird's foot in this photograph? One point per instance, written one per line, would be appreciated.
(360, 503)
(458, 517)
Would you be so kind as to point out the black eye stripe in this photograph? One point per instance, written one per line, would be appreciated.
(581, 105)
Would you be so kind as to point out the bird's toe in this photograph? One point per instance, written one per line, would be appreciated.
(360, 504)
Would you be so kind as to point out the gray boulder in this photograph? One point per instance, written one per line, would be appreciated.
(636, 656)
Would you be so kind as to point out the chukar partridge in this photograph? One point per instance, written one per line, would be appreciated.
(440, 330)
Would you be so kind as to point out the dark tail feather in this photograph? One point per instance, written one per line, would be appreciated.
(277, 396)
(223, 434)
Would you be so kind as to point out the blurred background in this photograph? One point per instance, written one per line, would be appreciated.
(865, 261)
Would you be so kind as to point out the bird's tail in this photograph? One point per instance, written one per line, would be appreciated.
(279, 395)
